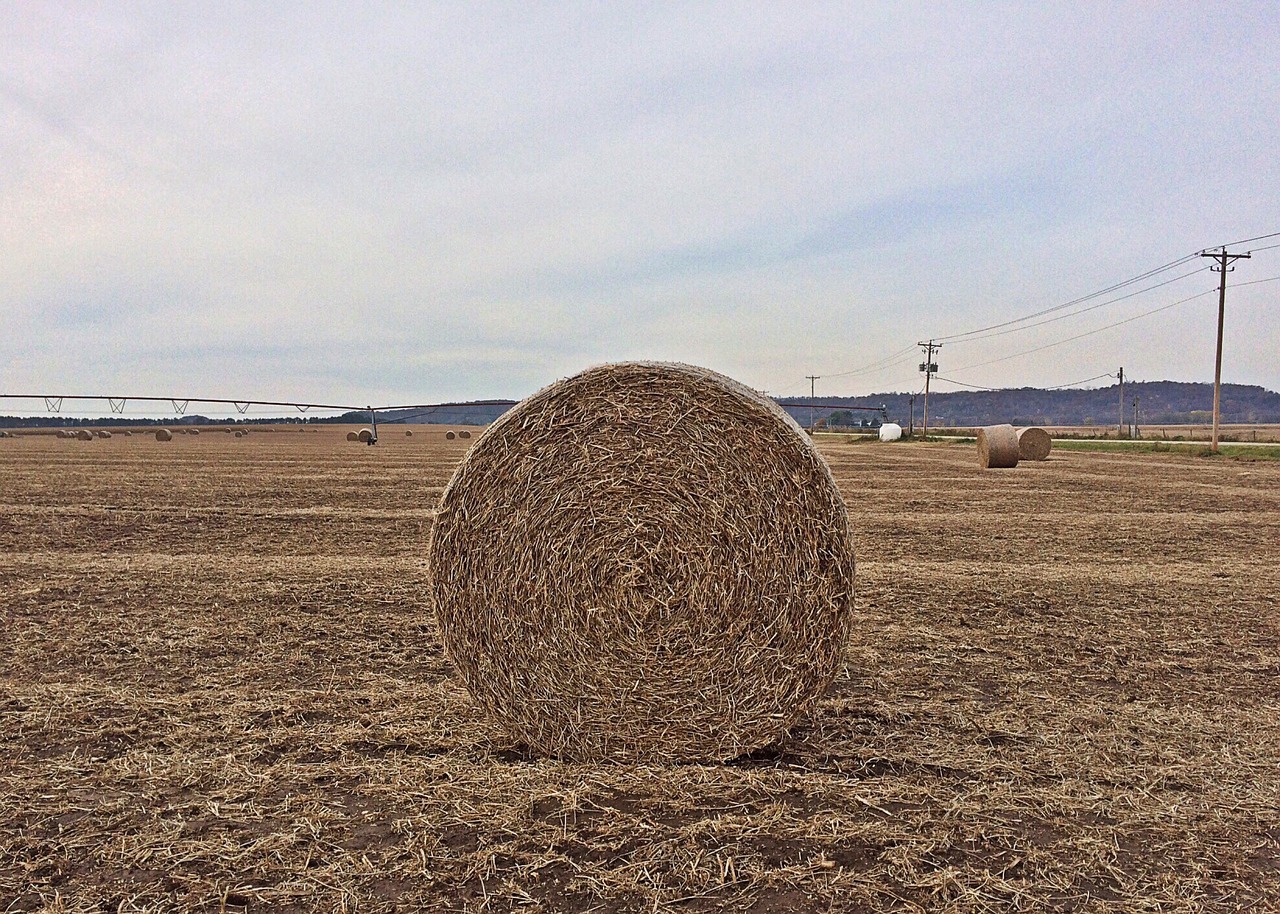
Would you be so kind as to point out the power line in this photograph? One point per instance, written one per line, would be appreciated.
(1081, 336)
(1084, 298)
(1061, 317)
(1232, 244)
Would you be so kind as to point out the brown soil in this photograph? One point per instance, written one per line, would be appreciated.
(221, 690)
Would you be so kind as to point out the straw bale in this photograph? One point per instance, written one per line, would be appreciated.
(101, 433)
(352, 436)
(126, 433)
(63, 433)
(1034, 443)
(464, 434)
(84, 434)
(997, 447)
(239, 434)
(163, 434)
(365, 435)
(644, 561)
(193, 431)
(450, 435)
(408, 433)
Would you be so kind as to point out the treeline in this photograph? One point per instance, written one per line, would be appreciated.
(1159, 403)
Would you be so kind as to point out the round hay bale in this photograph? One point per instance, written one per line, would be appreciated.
(239, 434)
(450, 435)
(1034, 443)
(63, 433)
(163, 434)
(997, 447)
(644, 561)
(890, 431)
(365, 435)
(464, 434)
(103, 434)
(408, 433)
(126, 433)
(84, 434)
(193, 431)
(353, 436)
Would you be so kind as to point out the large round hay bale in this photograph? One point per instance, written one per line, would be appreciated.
(644, 561)
(365, 435)
(464, 434)
(890, 431)
(193, 431)
(127, 434)
(353, 436)
(997, 447)
(450, 436)
(84, 434)
(163, 434)
(239, 434)
(1034, 443)
(63, 433)
(103, 434)
(408, 433)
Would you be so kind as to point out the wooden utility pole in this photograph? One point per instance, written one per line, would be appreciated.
(1120, 425)
(1224, 267)
(813, 378)
(928, 366)
(911, 427)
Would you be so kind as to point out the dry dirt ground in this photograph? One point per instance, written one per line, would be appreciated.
(221, 690)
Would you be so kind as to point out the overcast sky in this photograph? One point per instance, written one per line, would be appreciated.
(426, 202)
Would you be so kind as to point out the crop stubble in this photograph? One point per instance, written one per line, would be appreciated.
(220, 688)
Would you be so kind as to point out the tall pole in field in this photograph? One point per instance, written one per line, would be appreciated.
(1224, 267)
(1120, 424)
(813, 378)
(928, 366)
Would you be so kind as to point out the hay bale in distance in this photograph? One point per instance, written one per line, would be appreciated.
(126, 433)
(63, 433)
(239, 434)
(353, 436)
(644, 561)
(365, 435)
(450, 436)
(997, 447)
(890, 431)
(1034, 443)
(464, 434)
(84, 434)
(163, 434)
(102, 433)
(408, 433)
(193, 431)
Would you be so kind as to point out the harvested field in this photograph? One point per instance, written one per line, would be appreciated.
(221, 690)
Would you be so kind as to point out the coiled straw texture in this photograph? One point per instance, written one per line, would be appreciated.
(644, 561)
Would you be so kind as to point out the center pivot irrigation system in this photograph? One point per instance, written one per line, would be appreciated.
(54, 404)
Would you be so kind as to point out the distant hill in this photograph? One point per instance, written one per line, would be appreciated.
(1159, 403)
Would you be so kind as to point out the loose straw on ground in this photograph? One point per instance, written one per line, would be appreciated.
(644, 561)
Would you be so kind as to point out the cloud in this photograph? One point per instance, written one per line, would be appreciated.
(440, 202)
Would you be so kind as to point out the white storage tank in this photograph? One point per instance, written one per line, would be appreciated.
(890, 431)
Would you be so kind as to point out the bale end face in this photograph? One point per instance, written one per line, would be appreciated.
(449, 436)
(1034, 443)
(163, 434)
(997, 447)
(365, 435)
(353, 436)
(644, 561)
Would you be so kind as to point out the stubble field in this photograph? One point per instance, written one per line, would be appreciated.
(221, 689)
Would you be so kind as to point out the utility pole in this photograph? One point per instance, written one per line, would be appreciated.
(1224, 267)
(1136, 433)
(928, 366)
(813, 378)
(911, 427)
(1120, 425)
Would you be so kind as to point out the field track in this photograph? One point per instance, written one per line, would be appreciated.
(221, 690)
